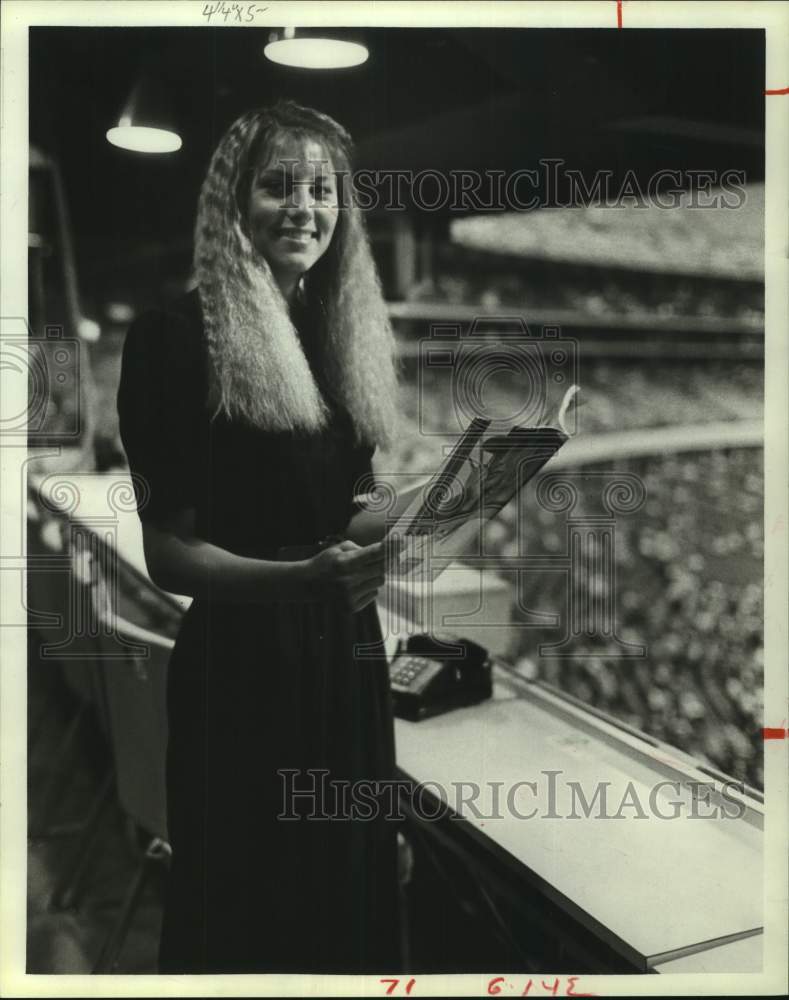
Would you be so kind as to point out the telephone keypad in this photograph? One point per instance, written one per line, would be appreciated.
(408, 669)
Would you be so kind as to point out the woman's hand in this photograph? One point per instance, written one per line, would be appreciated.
(348, 573)
(181, 563)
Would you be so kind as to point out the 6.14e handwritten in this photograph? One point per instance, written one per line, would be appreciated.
(240, 12)
(500, 984)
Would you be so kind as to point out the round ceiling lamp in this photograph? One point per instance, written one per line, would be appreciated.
(143, 138)
(313, 51)
(146, 122)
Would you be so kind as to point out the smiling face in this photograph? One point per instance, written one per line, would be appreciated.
(292, 208)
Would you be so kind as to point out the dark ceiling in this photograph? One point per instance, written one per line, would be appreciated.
(441, 98)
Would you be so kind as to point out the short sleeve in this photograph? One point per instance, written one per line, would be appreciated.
(161, 412)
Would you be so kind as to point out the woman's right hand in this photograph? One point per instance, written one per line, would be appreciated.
(348, 573)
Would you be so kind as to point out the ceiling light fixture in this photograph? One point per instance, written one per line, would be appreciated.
(146, 122)
(307, 50)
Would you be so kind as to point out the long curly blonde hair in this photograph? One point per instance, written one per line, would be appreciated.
(258, 369)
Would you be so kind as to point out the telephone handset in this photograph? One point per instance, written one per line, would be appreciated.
(431, 674)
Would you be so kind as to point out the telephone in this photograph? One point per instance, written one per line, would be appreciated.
(431, 674)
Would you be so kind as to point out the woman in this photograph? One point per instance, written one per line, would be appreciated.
(249, 411)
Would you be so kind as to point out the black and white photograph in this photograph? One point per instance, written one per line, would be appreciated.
(394, 448)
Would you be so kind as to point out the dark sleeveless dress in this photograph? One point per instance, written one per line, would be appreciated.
(259, 689)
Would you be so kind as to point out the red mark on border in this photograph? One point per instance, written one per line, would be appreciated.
(393, 984)
(783, 90)
(775, 734)
(619, 13)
